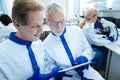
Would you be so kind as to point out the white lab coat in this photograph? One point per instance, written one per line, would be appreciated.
(6, 30)
(15, 63)
(78, 46)
(92, 37)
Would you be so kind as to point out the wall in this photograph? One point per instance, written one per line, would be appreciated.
(72, 7)
(61, 2)
(107, 8)
(1, 6)
(110, 13)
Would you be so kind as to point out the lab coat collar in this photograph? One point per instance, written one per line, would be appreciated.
(61, 34)
(16, 39)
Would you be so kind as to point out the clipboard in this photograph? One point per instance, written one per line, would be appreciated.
(74, 67)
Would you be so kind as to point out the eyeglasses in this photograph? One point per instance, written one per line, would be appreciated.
(55, 23)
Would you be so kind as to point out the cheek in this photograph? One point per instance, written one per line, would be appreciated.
(33, 32)
(95, 19)
(62, 27)
(30, 32)
(24, 31)
(41, 29)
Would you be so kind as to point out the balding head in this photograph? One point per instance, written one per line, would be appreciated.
(53, 8)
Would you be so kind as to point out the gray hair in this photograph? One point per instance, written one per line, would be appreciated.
(54, 7)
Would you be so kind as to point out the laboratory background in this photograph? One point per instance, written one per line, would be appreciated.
(107, 24)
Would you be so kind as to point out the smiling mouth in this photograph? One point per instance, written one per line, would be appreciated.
(37, 35)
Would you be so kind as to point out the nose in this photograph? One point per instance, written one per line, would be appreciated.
(58, 26)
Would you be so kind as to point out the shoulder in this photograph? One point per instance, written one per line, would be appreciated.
(50, 37)
(74, 31)
(4, 43)
(74, 28)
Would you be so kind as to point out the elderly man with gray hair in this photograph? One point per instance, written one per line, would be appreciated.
(68, 46)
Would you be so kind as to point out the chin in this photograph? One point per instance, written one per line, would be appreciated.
(35, 39)
(59, 33)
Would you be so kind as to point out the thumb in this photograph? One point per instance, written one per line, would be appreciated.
(56, 69)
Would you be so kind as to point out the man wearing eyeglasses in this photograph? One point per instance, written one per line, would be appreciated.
(68, 46)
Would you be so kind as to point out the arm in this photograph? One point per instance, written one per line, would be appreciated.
(96, 39)
(86, 48)
(49, 62)
(52, 66)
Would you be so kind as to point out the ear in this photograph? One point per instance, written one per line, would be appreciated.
(16, 24)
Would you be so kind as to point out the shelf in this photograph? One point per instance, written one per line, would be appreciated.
(109, 11)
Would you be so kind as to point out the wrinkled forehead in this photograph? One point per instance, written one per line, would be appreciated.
(56, 15)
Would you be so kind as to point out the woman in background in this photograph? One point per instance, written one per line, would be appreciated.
(95, 40)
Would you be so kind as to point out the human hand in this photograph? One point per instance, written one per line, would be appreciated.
(80, 60)
(38, 76)
(111, 38)
(59, 75)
